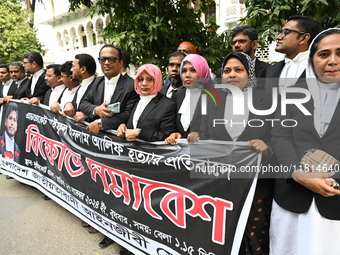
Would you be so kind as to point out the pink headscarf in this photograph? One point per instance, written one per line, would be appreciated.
(200, 64)
(155, 73)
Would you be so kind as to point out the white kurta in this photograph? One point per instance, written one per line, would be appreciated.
(302, 233)
(308, 233)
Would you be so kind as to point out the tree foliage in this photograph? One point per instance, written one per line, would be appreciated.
(16, 35)
(30, 6)
(151, 29)
(268, 17)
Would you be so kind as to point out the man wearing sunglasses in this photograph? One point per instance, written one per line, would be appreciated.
(293, 41)
(111, 88)
(245, 39)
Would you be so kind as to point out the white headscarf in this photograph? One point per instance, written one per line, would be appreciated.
(314, 85)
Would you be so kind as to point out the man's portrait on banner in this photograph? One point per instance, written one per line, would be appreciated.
(8, 147)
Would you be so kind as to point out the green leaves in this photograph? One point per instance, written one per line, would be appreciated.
(16, 35)
(151, 29)
(275, 12)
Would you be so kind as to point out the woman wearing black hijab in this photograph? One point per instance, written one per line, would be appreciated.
(238, 70)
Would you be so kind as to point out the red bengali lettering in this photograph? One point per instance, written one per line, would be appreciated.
(180, 196)
(101, 170)
(52, 150)
(98, 169)
(33, 139)
(76, 160)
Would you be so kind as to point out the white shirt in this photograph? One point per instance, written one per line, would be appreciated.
(254, 61)
(55, 94)
(6, 87)
(35, 78)
(292, 70)
(236, 123)
(328, 101)
(68, 96)
(170, 92)
(83, 87)
(142, 103)
(188, 106)
(110, 86)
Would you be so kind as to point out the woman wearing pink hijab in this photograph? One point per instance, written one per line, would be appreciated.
(195, 75)
(154, 116)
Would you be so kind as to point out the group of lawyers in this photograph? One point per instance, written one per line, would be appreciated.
(298, 211)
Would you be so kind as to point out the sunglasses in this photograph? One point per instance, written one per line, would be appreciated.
(111, 60)
(287, 31)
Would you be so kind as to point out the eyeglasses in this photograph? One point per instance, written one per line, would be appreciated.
(287, 31)
(25, 63)
(15, 71)
(242, 41)
(148, 79)
(111, 60)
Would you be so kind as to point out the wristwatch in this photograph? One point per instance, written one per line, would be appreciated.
(100, 124)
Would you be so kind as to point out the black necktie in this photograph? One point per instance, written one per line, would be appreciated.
(173, 92)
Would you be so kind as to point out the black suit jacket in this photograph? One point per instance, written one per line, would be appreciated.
(40, 88)
(289, 145)
(157, 121)
(164, 90)
(261, 68)
(261, 73)
(48, 95)
(74, 101)
(261, 101)
(273, 75)
(11, 90)
(21, 91)
(16, 156)
(195, 123)
(124, 93)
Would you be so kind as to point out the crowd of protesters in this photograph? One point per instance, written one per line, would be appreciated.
(296, 212)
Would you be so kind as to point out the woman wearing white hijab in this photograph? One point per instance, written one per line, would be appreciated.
(306, 209)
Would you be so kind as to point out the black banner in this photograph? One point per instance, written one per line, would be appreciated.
(152, 198)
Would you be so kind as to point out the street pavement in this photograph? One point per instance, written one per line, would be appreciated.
(32, 226)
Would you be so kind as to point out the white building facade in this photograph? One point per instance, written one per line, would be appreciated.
(66, 34)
